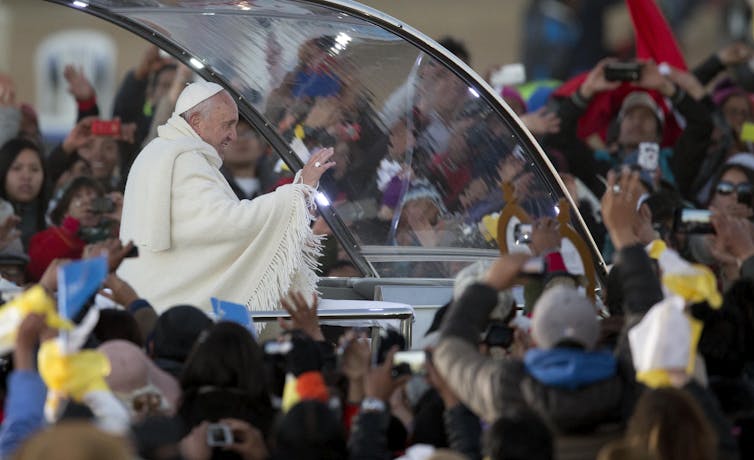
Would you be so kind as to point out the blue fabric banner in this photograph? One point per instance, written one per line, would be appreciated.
(77, 282)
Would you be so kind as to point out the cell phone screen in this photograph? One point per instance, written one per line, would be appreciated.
(649, 156)
(415, 359)
(693, 221)
(106, 128)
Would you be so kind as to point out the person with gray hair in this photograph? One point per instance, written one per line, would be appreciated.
(196, 239)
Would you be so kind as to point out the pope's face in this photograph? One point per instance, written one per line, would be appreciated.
(218, 124)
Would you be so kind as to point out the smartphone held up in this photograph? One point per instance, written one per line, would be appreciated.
(623, 71)
(110, 128)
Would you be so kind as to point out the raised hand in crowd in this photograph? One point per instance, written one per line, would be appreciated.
(542, 121)
(735, 53)
(121, 292)
(503, 272)
(112, 248)
(9, 231)
(596, 82)
(303, 316)
(194, 446)
(80, 135)
(643, 227)
(619, 207)
(688, 82)
(545, 236)
(151, 62)
(127, 133)
(652, 78)
(248, 441)
(379, 382)
(78, 85)
(448, 396)
(733, 240)
(7, 92)
(28, 337)
(354, 364)
(400, 408)
(49, 279)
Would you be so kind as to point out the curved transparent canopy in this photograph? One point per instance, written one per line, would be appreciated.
(421, 144)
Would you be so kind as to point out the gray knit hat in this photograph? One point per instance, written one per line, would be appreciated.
(563, 314)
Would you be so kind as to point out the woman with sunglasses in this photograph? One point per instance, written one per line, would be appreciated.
(732, 196)
(732, 193)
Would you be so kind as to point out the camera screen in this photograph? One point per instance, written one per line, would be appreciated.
(219, 434)
(694, 221)
(522, 233)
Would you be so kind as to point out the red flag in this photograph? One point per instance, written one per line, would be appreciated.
(654, 40)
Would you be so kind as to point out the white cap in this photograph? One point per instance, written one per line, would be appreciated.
(194, 94)
(743, 159)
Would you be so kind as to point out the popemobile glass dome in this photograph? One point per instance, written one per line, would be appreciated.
(423, 145)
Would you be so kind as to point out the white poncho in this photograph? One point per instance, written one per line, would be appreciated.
(196, 240)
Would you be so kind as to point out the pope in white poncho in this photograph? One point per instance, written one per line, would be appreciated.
(196, 240)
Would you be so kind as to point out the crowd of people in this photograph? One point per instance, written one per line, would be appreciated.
(664, 371)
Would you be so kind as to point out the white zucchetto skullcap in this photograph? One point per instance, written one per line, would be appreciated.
(194, 94)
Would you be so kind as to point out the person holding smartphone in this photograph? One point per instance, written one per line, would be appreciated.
(638, 119)
(82, 215)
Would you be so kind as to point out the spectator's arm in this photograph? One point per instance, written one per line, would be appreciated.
(24, 404)
(638, 280)
(469, 314)
(145, 316)
(87, 108)
(130, 99)
(736, 238)
(369, 433)
(24, 409)
(569, 110)
(708, 69)
(732, 54)
(476, 379)
(464, 431)
(692, 145)
(580, 156)
(123, 294)
(82, 90)
(573, 107)
(368, 439)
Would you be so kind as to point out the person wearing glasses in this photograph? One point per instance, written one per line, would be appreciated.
(731, 200)
(732, 193)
